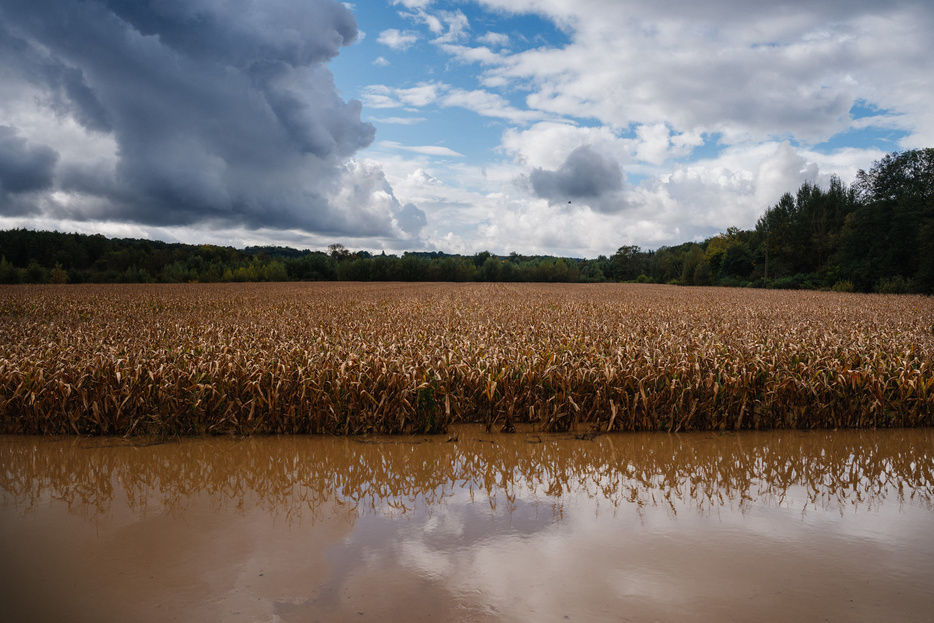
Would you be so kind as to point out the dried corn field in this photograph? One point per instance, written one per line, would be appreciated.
(344, 358)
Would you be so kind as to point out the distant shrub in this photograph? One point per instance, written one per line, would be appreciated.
(35, 273)
(58, 274)
(8, 272)
(786, 283)
(893, 285)
(732, 282)
(842, 286)
(801, 281)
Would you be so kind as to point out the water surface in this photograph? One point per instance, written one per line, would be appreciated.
(830, 525)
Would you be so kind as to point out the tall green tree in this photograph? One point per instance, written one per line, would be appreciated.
(629, 262)
(892, 233)
(804, 229)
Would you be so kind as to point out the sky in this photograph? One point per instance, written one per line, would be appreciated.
(559, 127)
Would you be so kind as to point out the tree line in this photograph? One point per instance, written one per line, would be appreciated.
(876, 235)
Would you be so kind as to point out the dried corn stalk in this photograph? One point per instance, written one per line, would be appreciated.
(344, 358)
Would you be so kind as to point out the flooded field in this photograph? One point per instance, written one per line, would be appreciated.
(810, 526)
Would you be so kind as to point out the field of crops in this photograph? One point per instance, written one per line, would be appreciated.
(345, 358)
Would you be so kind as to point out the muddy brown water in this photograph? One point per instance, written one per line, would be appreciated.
(780, 526)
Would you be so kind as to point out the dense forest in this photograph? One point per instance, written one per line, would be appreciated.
(876, 235)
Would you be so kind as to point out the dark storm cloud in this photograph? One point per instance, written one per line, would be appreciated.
(66, 91)
(585, 175)
(241, 33)
(24, 167)
(220, 111)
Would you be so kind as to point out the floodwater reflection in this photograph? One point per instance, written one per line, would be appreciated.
(766, 526)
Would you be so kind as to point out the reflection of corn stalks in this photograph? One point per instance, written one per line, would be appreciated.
(351, 359)
(304, 476)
